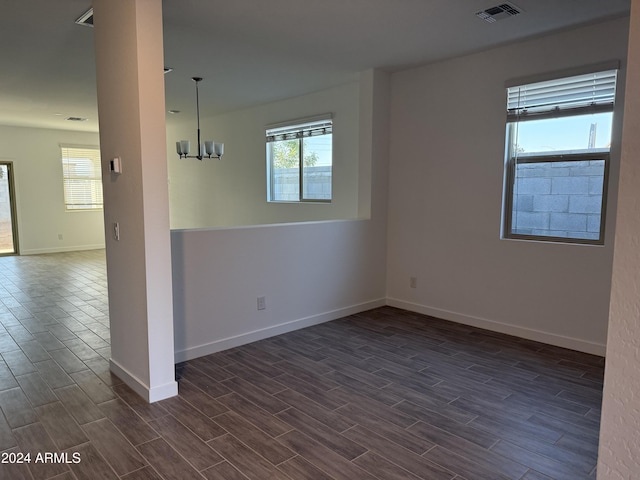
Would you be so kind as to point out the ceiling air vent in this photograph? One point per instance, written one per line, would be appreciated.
(504, 10)
(86, 18)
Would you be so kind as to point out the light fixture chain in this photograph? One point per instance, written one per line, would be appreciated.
(198, 115)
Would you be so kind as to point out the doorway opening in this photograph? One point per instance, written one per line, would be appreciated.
(8, 225)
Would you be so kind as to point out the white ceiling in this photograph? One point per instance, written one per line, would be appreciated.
(255, 51)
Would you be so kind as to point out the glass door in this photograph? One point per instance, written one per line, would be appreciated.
(8, 229)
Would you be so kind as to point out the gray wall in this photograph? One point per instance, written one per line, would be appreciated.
(447, 166)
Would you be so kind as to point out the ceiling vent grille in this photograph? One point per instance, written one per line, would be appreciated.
(86, 18)
(500, 12)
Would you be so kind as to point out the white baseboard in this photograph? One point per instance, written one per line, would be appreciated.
(523, 332)
(253, 336)
(153, 394)
(77, 248)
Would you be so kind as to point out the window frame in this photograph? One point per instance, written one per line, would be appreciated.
(91, 152)
(299, 130)
(573, 157)
(513, 159)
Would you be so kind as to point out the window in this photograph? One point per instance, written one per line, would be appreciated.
(557, 158)
(299, 161)
(82, 178)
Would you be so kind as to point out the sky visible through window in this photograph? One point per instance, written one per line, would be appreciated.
(322, 146)
(564, 133)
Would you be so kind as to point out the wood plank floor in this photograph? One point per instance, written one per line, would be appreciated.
(385, 394)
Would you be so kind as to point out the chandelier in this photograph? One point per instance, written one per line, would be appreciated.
(208, 149)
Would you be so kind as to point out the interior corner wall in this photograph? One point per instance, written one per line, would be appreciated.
(445, 198)
(39, 197)
(618, 456)
(308, 272)
(232, 191)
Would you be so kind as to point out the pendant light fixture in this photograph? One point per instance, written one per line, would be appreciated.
(209, 149)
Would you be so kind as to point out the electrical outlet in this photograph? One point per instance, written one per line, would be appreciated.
(262, 303)
(413, 282)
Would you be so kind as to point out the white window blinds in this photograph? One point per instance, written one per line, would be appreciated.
(82, 178)
(593, 92)
(299, 130)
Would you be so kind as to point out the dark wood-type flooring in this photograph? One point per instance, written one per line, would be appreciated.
(385, 394)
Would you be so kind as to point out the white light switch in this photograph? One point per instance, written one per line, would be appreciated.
(115, 165)
(262, 303)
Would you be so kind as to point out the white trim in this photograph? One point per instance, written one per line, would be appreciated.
(491, 325)
(76, 248)
(269, 225)
(244, 338)
(151, 395)
(494, 326)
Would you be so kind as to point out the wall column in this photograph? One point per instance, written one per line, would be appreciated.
(619, 455)
(131, 106)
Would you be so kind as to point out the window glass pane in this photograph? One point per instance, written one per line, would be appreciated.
(558, 199)
(299, 160)
(317, 168)
(554, 135)
(82, 178)
(285, 170)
